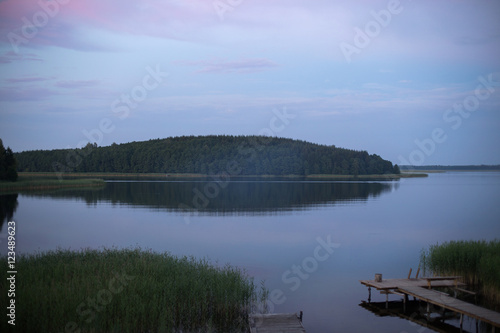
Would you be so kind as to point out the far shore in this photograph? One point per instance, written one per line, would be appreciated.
(113, 175)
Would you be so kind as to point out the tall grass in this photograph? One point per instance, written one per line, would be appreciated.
(478, 262)
(128, 290)
(24, 184)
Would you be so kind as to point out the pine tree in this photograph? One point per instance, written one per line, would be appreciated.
(8, 164)
(397, 171)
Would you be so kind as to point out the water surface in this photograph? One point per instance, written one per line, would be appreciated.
(275, 230)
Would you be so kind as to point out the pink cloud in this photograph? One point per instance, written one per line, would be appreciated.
(65, 24)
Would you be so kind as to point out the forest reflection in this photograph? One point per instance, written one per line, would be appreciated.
(230, 197)
(8, 206)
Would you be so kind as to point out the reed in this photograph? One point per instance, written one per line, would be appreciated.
(26, 184)
(128, 290)
(478, 262)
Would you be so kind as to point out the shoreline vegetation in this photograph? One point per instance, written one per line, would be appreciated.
(117, 175)
(477, 262)
(130, 290)
(41, 183)
(444, 168)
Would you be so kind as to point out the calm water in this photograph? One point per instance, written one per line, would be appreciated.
(275, 230)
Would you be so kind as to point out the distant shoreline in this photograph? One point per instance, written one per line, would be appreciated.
(435, 168)
(114, 175)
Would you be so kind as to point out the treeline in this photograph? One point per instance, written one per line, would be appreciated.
(233, 155)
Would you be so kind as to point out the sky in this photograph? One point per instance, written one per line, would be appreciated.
(416, 82)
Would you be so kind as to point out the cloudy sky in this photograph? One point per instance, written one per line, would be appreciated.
(412, 81)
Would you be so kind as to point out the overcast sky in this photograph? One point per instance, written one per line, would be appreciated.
(412, 81)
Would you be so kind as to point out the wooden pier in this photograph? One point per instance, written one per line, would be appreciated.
(453, 304)
(421, 288)
(274, 323)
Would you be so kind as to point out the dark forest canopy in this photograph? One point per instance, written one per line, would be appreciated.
(8, 164)
(233, 155)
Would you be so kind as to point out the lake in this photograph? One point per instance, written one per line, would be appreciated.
(310, 240)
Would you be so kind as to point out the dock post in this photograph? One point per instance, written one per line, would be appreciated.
(387, 300)
(461, 321)
(369, 294)
(300, 316)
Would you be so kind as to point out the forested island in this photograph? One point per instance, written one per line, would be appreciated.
(234, 155)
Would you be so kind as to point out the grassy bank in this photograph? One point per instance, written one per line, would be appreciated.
(390, 176)
(103, 175)
(478, 262)
(35, 184)
(129, 290)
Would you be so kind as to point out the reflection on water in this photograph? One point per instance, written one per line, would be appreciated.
(253, 197)
(416, 312)
(271, 227)
(8, 206)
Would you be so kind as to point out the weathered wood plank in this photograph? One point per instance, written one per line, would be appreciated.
(421, 282)
(274, 323)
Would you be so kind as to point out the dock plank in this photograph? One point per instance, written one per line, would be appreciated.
(275, 323)
(420, 282)
(450, 303)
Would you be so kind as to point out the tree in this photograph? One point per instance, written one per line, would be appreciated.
(396, 169)
(8, 164)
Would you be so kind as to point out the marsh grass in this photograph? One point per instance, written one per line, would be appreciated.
(28, 184)
(105, 175)
(478, 262)
(128, 290)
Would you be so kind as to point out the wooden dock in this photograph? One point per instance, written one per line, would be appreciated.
(453, 304)
(276, 323)
(388, 284)
(421, 288)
